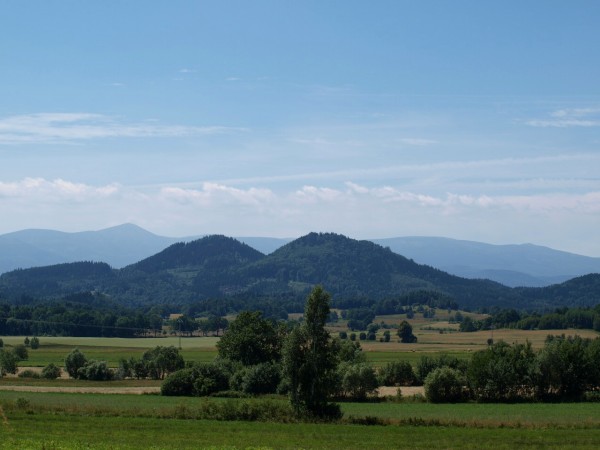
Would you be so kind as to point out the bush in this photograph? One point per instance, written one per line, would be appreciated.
(51, 372)
(209, 379)
(180, 383)
(8, 362)
(199, 380)
(396, 373)
(444, 385)
(95, 371)
(357, 380)
(34, 343)
(261, 379)
(21, 352)
(75, 361)
(29, 374)
(1, 343)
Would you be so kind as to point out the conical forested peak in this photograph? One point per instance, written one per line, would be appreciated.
(200, 252)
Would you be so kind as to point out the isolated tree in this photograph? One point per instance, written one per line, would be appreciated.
(250, 339)
(51, 371)
(8, 362)
(21, 352)
(34, 343)
(161, 361)
(405, 332)
(310, 361)
(75, 361)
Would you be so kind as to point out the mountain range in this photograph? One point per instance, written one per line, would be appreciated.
(224, 270)
(512, 265)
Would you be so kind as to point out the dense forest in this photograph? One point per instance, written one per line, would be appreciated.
(218, 275)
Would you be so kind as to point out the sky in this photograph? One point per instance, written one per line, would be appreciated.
(475, 120)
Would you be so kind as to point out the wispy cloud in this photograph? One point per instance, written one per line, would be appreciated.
(52, 190)
(569, 117)
(67, 127)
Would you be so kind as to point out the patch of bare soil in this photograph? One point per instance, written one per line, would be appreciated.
(407, 391)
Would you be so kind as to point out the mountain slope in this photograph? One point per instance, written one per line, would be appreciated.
(117, 246)
(512, 265)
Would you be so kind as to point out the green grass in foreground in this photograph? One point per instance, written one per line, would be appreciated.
(49, 431)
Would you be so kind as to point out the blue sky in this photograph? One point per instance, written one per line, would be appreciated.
(474, 120)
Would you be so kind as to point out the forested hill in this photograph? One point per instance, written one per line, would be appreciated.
(217, 268)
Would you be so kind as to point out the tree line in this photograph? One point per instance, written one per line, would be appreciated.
(559, 319)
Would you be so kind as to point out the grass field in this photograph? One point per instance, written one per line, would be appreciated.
(39, 420)
(203, 349)
(77, 421)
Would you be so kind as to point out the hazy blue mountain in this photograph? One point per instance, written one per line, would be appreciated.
(117, 246)
(512, 265)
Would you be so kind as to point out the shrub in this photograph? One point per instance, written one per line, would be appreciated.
(51, 372)
(29, 374)
(1, 343)
(261, 379)
(396, 373)
(34, 343)
(95, 371)
(21, 352)
(209, 379)
(179, 383)
(75, 361)
(357, 380)
(8, 362)
(444, 385)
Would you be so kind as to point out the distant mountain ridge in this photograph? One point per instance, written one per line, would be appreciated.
(512, 265)
(227, 273)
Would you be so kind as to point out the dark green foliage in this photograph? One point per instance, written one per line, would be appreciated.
(1, 343)
(259, 379)
(51, 371)
(396, 373)
(160, 361)
(566, 368)
(468, 325)
(199, 381)
(357, 380)
(26, 342)
(359, 318)
(8, 362)
(21, 352)
(74, 361)
(251, 340)
(310, 361)
(349, 351)
(218, 275)
(405, 333)
(428, 364)
(95, 371)
(503, 372)
(35, 343)
(179, 383)
(343, 335)
(444, 385)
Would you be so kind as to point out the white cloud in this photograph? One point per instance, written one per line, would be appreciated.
(569, 117)
(417, 141)
(351, 208)
(42, 190)
(66, 127)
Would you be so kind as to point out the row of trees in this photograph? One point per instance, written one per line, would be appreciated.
(559, 319)
(564, 369)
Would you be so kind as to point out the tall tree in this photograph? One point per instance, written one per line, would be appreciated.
(250, 339)
(310, 360)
